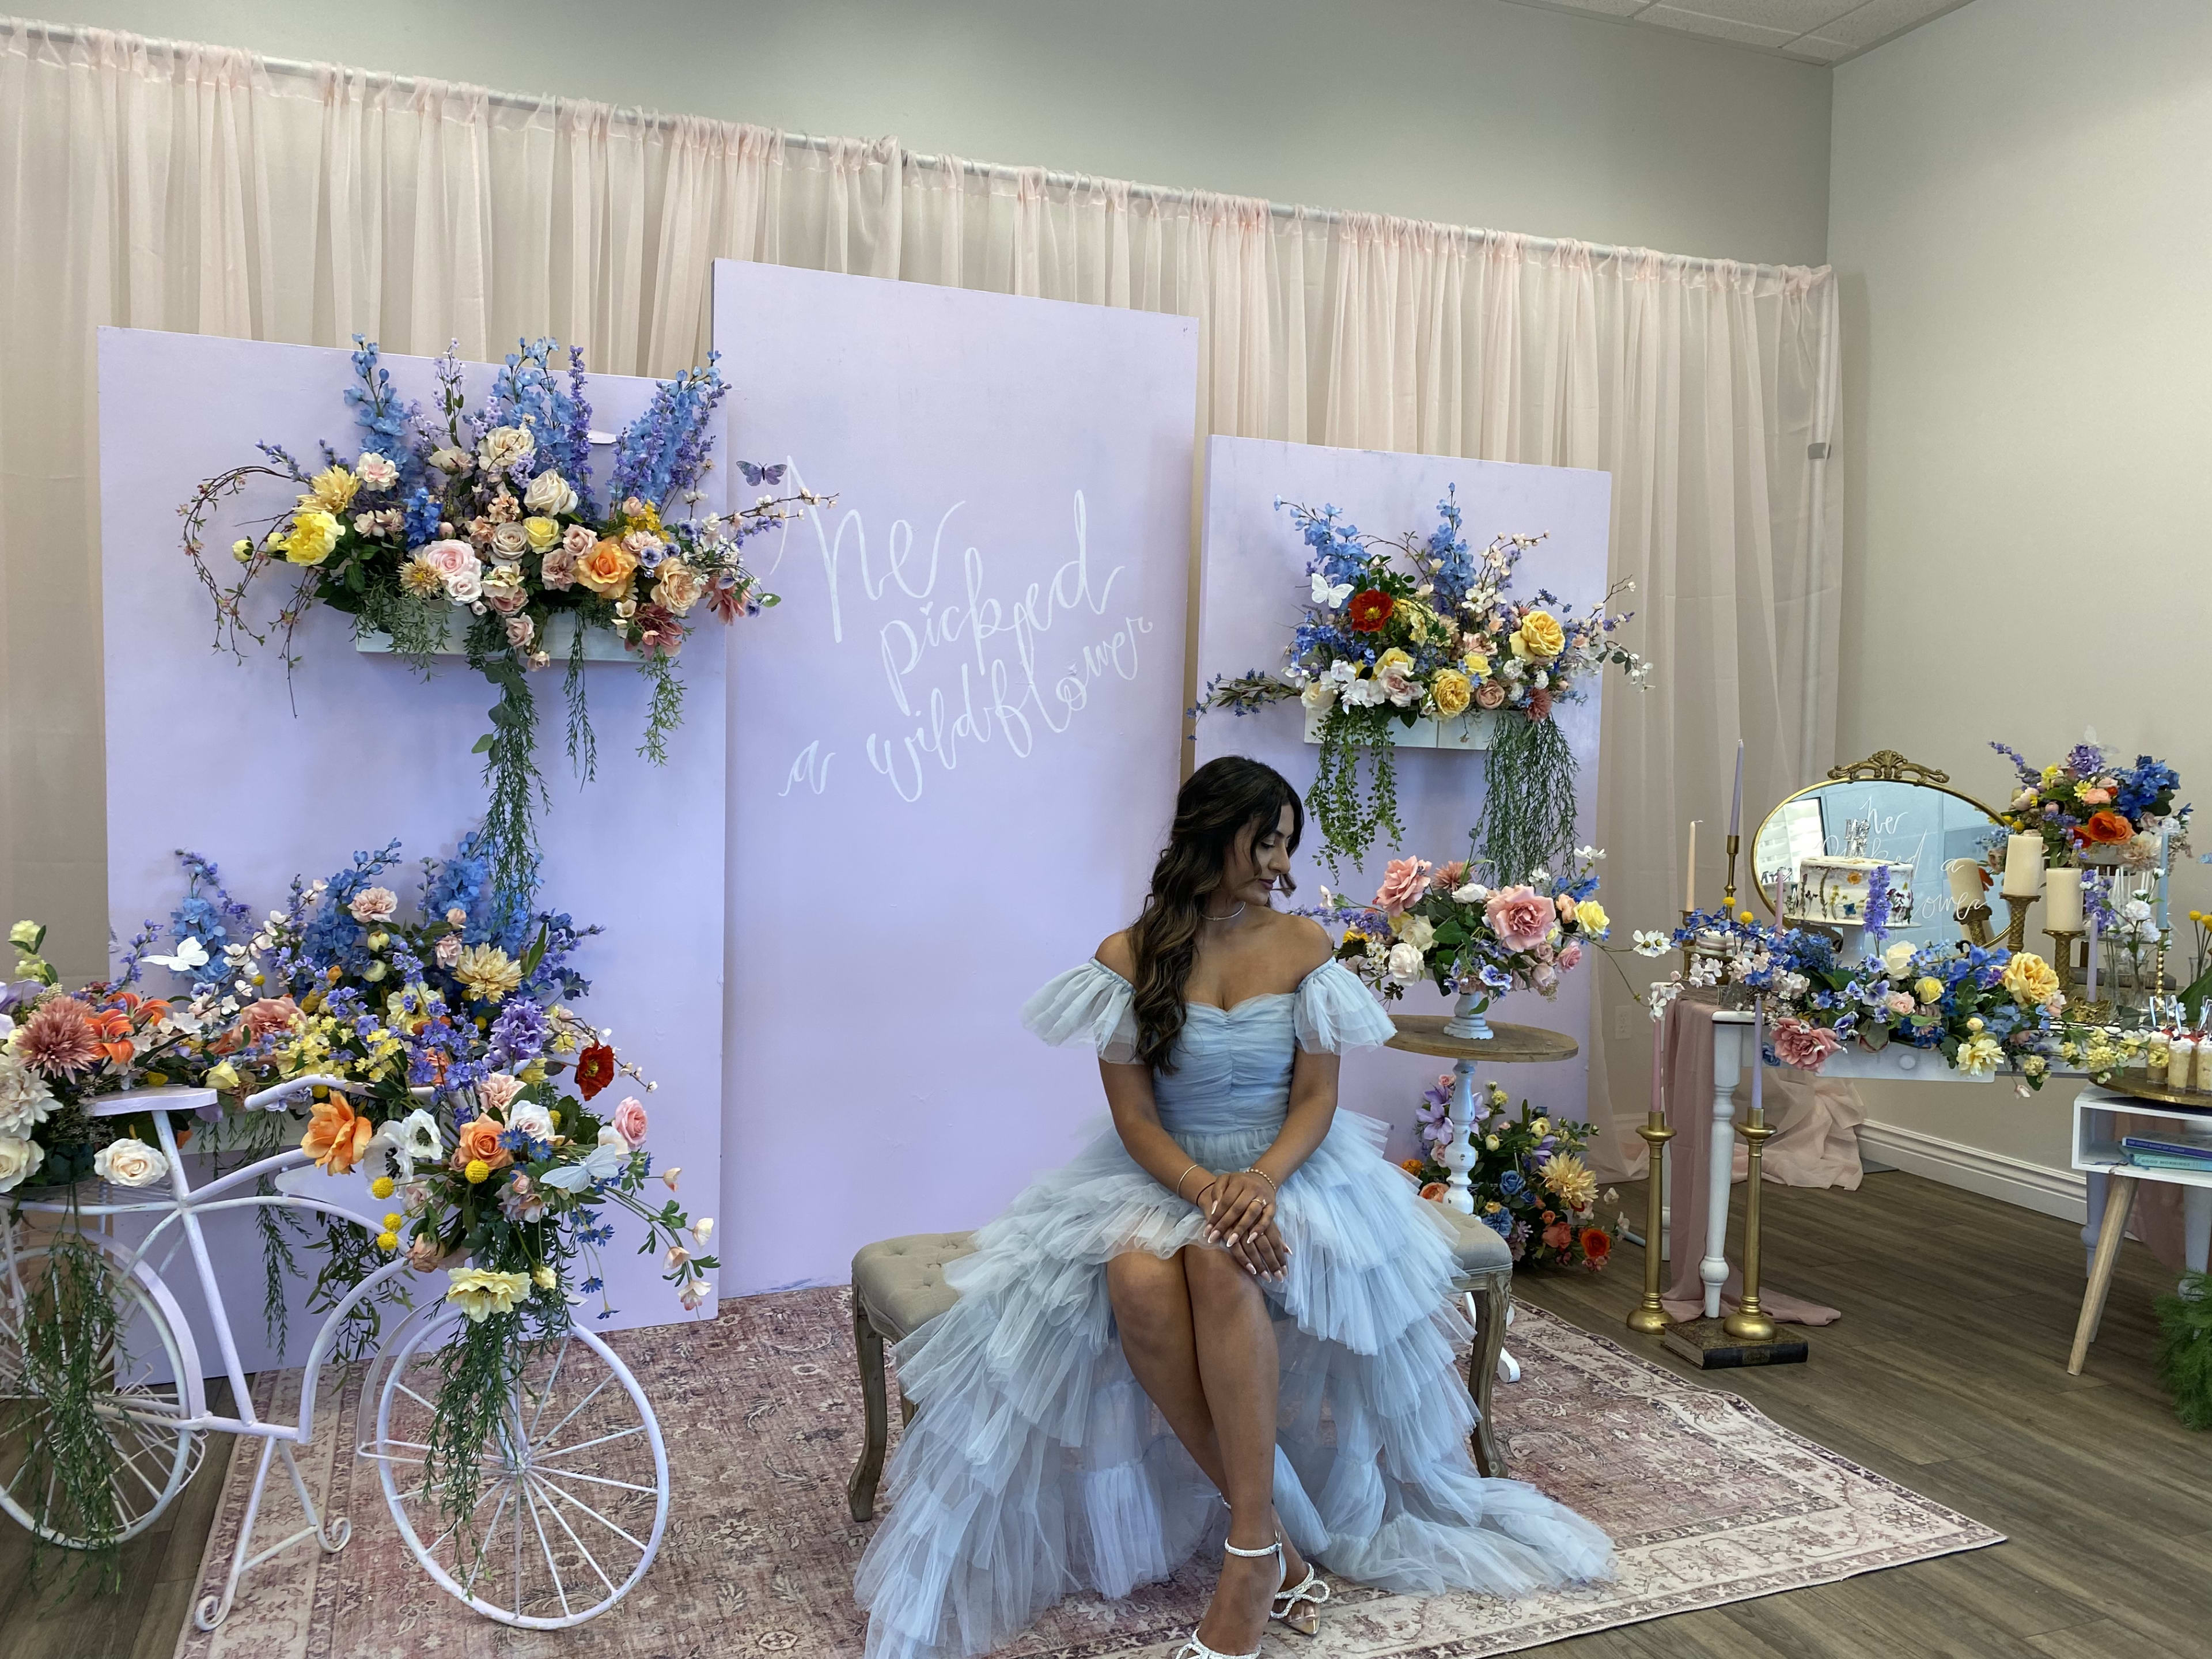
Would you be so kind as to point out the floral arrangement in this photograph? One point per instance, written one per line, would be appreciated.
(1438, 922)
(486, 524)
(2090, 811)
(478, 1103)
(1397, 631)
(1983, 1009)
(1531, 1180)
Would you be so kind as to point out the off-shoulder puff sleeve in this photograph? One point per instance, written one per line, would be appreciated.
(1091, 1004)
(1336, 1012)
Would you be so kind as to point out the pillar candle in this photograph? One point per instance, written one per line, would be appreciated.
(2023, 872)
(2062, 901)
(1965, 876)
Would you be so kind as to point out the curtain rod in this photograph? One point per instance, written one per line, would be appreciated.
(297, 68)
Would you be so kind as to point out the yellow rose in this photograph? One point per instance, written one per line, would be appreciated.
(1477, 665)
(1393, 658)
(1929, 989)
(224, 1076)
(333, 490)
(542, 533)
(1592, 916)
(607, 569)
(1452, 691)
(1540, 638)
(2030, 979)
(314, 533)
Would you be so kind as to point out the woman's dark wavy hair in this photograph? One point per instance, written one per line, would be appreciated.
(1227, 803)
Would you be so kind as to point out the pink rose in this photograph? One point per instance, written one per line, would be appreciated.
(374, 904)
(1489, 695)
(448, 949)
(519, 630)
(450, 558)
(558, 570)
(1404, 881)
(497, 1092)
(270, 1015)
(1545, 978)
(2096, 797)
(1901, 1002)
(1520, 916)
(1571, 958)
(629, 1121)
(1804, 1045)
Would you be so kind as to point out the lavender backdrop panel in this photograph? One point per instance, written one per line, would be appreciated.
(1253, 583)
(272, 780)
(953, 745)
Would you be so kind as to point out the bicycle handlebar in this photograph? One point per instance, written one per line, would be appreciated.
(293, 1085)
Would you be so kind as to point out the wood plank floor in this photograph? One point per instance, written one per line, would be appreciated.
(1946, 1373)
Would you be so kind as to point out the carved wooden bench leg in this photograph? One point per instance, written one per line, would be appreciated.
(1492, 1297)
(860, 1490)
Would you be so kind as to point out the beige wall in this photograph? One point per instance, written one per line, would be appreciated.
(1471, 112)
(2020, 214)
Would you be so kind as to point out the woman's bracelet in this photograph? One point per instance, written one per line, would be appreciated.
(1253, 1168)
(1184, 1176)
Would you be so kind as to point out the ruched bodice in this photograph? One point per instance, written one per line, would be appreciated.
(1037, 1467)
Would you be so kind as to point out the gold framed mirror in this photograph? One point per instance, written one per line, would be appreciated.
(1814, 856)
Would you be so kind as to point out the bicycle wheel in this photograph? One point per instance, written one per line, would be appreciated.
(137, 1428)
(575, 1492)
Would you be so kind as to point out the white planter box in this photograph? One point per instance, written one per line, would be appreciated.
(1896, 1064)
(601, 644)
(1470, 731)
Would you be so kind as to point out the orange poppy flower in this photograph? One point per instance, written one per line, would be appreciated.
(2104, 830)
(1370, 610)
(1597, 1245)
(336, 1134)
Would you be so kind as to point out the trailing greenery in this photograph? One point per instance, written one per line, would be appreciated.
(2185, 1349)
(510, 752)
(416, 625)
(479, 1370)
(1528, 817)
(666, 711)
(349, 1254)
(1350, 821)
(71, 1332)
(583, 743)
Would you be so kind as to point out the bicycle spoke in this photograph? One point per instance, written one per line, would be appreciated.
(551, 1378)
(552, 1569)
(602, 1480)
(586, 1445)
(590, 1559)
(553, 1489)
(453, 1525)
(515, 1606)
(484, 1548)
(603, 1386)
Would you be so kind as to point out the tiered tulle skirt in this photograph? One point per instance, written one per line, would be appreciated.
(1037, 1468)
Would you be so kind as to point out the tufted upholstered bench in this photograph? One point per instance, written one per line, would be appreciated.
(899, 1286)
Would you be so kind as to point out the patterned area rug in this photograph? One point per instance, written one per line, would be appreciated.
(1709, 1501)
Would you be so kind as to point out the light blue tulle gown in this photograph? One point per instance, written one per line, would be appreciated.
(1038, 1468)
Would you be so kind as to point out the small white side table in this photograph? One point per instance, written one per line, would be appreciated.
(2111, 1181)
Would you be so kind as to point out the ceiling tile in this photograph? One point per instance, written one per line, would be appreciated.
(1818, 50)
(1718, 29)
(1609, 7)
(1796, 16)
(1877, 19)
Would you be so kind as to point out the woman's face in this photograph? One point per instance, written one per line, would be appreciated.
(1257, 859)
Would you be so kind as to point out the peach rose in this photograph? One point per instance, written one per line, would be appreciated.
(1435, 1190)
(629, 1121)
(269, 1016)
(1404, 881)
(608, 569)
(1804, 1045)
(479, 1140)
(1520, 916)
(1489, 695)
(336, 1135)
(497, 1092)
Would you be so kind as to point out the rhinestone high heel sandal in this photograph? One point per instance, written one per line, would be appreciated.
(1299, 1604)
(1194, 1649)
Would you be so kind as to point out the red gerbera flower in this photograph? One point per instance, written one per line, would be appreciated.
(595, 1069)
(1370, 609)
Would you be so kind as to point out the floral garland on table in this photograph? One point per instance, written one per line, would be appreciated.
(486, 523)
(1397, 631)
(1531, 1180)
(1983, 1009)
(1439, 923)
(480, 1107)
(2084, 805)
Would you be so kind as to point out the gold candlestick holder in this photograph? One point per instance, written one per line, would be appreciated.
(1649, 1315)
(1749, 1322)
(2062, 957)
(1727, 892)
(1976, 923)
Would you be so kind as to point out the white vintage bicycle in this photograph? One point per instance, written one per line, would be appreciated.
(576, 1479)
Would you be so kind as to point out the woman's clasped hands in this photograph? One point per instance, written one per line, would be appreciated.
(1240, 1216)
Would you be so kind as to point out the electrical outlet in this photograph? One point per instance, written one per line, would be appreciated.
(1624, 1023)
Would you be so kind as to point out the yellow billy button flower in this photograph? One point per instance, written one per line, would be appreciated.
(392, 1222)
(383, 1186)
(477, 1172)
(387, 1241)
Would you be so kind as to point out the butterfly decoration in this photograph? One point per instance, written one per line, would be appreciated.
(1323, 594)
(191, 955)
(761, 475)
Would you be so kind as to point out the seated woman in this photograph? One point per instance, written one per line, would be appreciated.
(1236, 1260)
